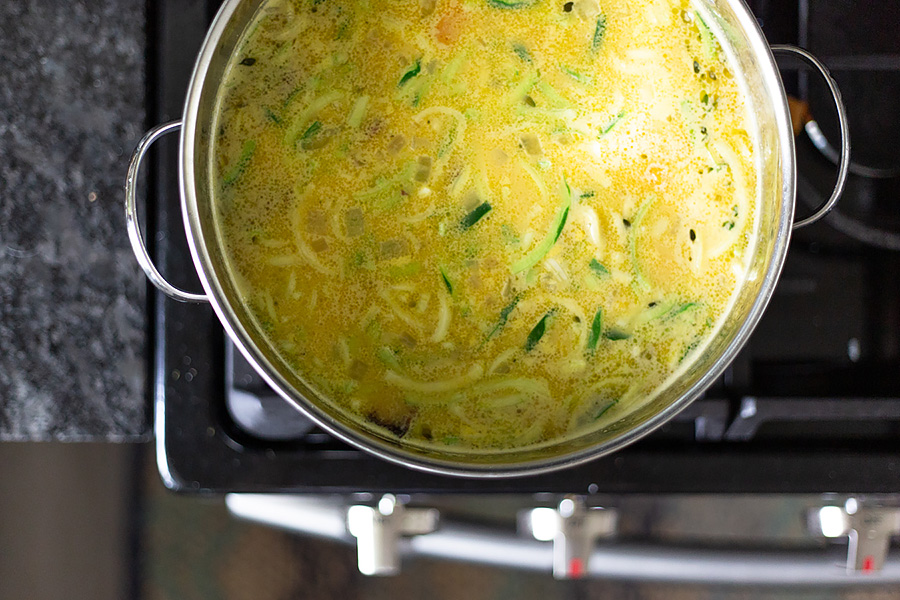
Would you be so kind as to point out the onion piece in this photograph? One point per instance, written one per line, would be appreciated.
(531, 143)
(552, 265)
(590, 222)
(427, 7)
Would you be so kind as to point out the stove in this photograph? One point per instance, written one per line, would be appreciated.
(811, 405)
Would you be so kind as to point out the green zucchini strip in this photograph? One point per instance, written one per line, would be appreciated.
(475, 216)
(387, 356)
(446, 281)
(612, 123)
(301, 123)
(596, 330)
(410, 73)
(598, 269)
(522, 52)
(511, 3)
(615, 334)
(599, 33)
(603, 409)
(537, 332)
(553, 96)
(639, 280)
(358, 112)
(707, 39)
(576, 75)
(541, 250)
(235, 172)
(504, 317)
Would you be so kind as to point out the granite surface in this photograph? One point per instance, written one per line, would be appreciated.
(72, 311)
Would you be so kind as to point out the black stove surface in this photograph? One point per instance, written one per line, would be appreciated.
(812, 404)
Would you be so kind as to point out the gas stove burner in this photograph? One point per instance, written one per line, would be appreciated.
(820, 141)
(849, 226)
(862, 51)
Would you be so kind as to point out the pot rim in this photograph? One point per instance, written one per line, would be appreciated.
(238, 333)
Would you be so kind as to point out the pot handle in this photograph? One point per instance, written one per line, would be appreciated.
(131, 218)
(844, 163)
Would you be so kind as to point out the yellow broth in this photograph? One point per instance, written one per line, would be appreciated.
(484, 224)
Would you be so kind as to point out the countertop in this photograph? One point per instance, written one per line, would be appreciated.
(73, 321)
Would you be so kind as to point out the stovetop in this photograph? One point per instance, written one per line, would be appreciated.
(812, 404)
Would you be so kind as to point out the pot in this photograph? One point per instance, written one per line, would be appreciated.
(753, 61)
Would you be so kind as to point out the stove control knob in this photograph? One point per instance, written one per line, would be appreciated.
(378, 531)
(573, 528)
(869, 527)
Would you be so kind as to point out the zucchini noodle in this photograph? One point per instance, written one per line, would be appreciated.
(335, 222)
(305, 251)
(419, 217)
(532, 433)
(384, 185)
(289, 34)
(270, 306)
(474, 373)
(615, 390)
(639, 279)
(343, 351)
(284, 260)
(459, 183)
(538, 181)
(422, 304)
(443, 325)
(457, 135)
(413, 240)
(583, 327)
(273, 243)
(526, 387)
(501, 359)
(741, 197)
(292, 284)
(697, 255)
(399, 312)
(299, 123)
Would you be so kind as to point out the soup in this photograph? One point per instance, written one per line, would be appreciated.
(484, 224)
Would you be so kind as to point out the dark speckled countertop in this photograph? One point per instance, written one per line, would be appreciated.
(73, 335)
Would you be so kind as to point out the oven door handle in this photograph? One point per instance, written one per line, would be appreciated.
(133, 224)
(326, 517)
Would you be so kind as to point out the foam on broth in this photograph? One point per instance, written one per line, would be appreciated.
(483, 224)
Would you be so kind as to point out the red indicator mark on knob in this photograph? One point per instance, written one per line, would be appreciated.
(576, 567)
(868, 565)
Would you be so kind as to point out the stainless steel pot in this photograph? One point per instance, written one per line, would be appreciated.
(754, 64)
